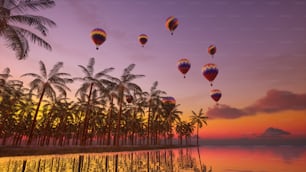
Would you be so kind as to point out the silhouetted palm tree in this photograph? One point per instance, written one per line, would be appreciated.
(14, 24)
(45, 84)
(124, 85)
(198, 119)
(153, 100)
(91, 82)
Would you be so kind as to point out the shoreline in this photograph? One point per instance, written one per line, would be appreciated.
(12, 151)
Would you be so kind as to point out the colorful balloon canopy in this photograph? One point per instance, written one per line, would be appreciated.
(168, 100)
(143, 39)
(171, 24)
(212, 50)
(183, 66)
(210, 72)
(129, 98)
(215, 94)
(98, 36)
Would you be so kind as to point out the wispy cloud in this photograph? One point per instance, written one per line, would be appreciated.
(273, 101)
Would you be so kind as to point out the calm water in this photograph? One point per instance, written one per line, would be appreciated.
(206, 158)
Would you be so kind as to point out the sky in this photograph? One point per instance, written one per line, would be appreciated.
(261, 56)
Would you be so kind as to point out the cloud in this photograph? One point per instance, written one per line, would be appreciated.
(273, 101)
(274, 132)
(225, 111)
(276, 100)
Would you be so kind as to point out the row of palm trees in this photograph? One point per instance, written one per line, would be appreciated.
(98, 114)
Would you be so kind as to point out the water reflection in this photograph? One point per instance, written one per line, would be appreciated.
(203, 159)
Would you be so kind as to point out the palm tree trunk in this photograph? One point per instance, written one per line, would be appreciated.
(35, 116)
(197, 135)
(84, 134)
(119, 116)
(149, 121)
(109, 122)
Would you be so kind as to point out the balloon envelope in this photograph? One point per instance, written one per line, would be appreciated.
(143, 39)
(168, 100)
(215, 94)
(210, 71)
(171, 24)
(98, 36)
(183, 65)
(212, 50)
(129, 98)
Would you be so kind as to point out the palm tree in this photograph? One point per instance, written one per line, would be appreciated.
(124, 85)
(45, 84)
(154, 99)
(91, 82)
(16, 35)
(198, 119)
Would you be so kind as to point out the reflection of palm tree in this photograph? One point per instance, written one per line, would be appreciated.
(44, 84)
(198, 119)
(123, 85)
(15, 34)
(91, 82)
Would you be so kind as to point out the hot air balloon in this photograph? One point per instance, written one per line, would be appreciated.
(168, 103)
(210, 71)
(143, 39)
(129, 98)
(171, 24)
(183, 66)
(168, 100)
(212, 50)
(215, 94)
(98, 36)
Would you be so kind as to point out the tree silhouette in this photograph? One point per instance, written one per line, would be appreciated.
(45, 84)
(14, 26)
(198, 119)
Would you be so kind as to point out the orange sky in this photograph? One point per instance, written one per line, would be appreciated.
(290, 121)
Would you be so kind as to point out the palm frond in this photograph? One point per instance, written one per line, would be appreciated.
(128, 69)
(32, 75)
(35, 38)
(34, 5)
(90, 66)
(104, 72)
(85, 70)
(43, 69)
(31, 20)
(16, 41)
(56, 68)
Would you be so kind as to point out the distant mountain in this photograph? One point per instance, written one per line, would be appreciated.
(274, 132)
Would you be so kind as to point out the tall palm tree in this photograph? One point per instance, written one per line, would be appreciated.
(45, 84)
(154, 99)
(13, 25)
(198, 119)
(122, 86)
(91, 82)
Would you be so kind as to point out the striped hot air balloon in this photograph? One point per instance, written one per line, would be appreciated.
(98, 36)
(215, 94)
(210, 72)
(171, 24)
(183, 66)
